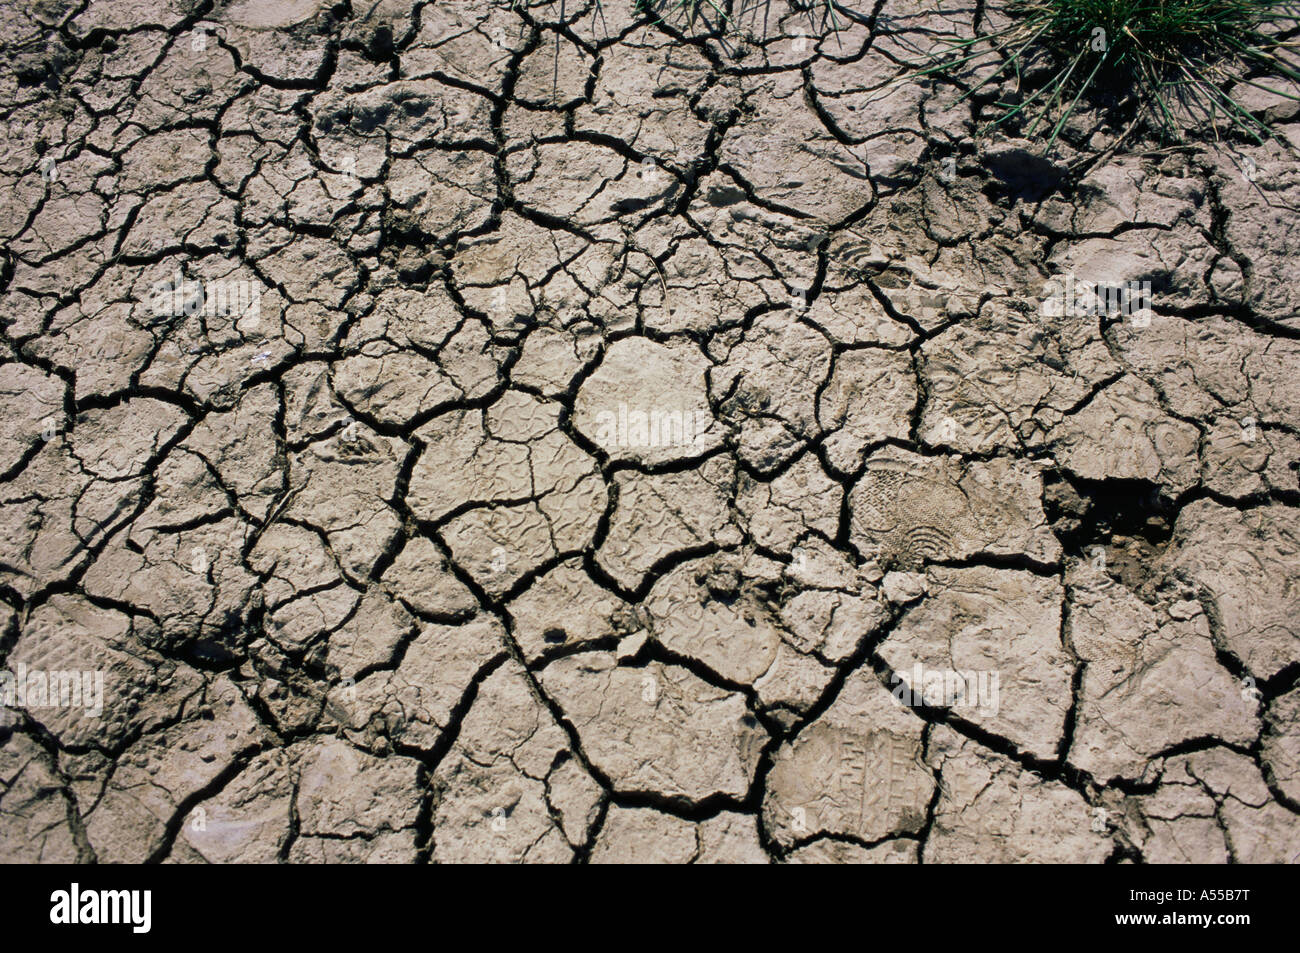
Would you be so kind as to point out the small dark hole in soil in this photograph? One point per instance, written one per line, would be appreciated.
(1126, 523)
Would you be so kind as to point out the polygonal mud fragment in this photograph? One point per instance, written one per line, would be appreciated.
(121, 441)
(574, 797)
(864, 103)
(421, 578)
(308, 269)
(790, 159)
(343, 487)
(248, 821)
(370, 637)
(1241, 459)
(1208, 365)
(697, 288)
(659, 517)
(927, 293)
(1125, 192)
(1151, 679)
(544, 81)
(580, 182)
(490, 791)
(729, 838)
(192, 581)
(909, 510)
(519, 247)
(33, 411)
(709, 611)
(1259, 231)
(1005, 378)
(412, 699)
(1280, 751)
(511, 454)
(850, 314)
(550, 361)
(855, 771)
(343, 792)
(869, 398)
(79, 672)
(816, 564)
(986, 644)
(781, 511)
(644, 836)
(33, 824)
(647, 836)
(128, 823)
(1172, 260)
(393, 386)
(468, 43)
(759, 253)
(303, 620)
(310, 407)
(564, 608)
(1122, 433)
(1177, 823)
(463, 461)
(443, 191)
(832, 624)
(187, 489)
(242, 450)
(425, 320)
(990, 810)
(904, 588)
(770, 383)
(646, 402)
(1241, 562)
(499, 546)
(1254, 828)
(657, 728)
(643, 92)
(103, 347)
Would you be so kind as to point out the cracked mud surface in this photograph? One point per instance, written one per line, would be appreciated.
(620, 425)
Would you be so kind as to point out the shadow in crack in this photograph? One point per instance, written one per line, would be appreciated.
(1021, 174)
(1123, 525)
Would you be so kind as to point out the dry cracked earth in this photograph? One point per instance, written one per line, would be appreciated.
(450, 434)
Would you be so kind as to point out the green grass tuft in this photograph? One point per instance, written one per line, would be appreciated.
(726, 18)
(1176, 57)
(740, 14)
